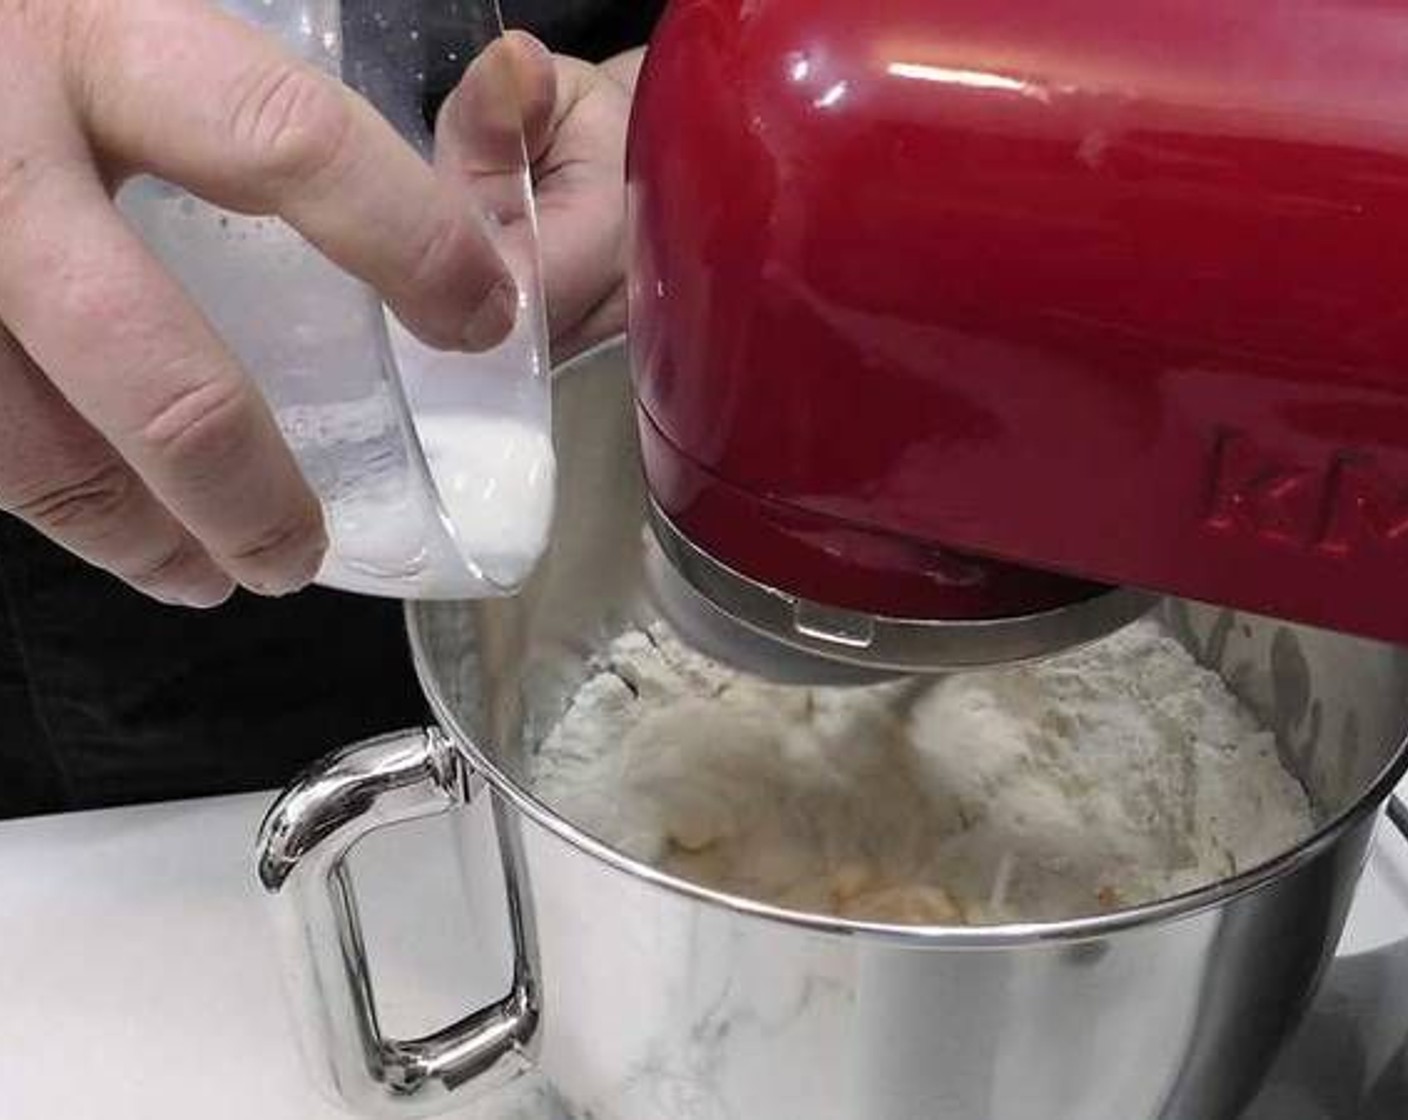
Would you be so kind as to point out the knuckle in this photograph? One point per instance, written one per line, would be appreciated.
(443, 270)
(161, 568)
(201, 428)
(283, 556)
(432, 250)
(85, 32)
(290, 122)
(292, 538)
(85, 502)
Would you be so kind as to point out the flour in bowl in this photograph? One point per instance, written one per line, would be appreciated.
(1104, 778)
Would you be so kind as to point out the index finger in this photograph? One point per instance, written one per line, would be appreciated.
(258, 131)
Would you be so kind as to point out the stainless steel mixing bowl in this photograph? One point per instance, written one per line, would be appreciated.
(730, 1009)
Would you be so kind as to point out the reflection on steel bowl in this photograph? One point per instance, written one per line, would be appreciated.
(736, 1010)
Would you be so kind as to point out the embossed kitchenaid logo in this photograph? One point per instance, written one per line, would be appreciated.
(1345, 505)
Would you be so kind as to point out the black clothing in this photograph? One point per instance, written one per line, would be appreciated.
(107, 697)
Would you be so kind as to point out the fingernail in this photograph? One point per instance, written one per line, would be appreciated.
(493, 318)
(298, 575)
(198, 589)
(208, 592)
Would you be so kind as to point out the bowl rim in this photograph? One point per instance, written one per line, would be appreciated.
(999, 936)
(1008, 935)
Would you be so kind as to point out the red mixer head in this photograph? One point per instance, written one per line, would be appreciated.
(948, 317)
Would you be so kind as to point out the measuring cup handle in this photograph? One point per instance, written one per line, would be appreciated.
(302, 851)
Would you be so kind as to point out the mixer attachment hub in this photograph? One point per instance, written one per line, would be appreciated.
(768, 631)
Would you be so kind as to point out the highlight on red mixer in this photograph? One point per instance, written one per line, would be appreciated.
(1004, 305)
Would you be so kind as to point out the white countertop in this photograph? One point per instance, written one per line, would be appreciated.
(137, 978)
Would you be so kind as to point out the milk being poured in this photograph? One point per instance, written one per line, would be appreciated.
(328, 359)
(495, 475)
(495, 478)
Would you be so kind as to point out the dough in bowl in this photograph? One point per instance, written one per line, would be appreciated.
(1100, 779)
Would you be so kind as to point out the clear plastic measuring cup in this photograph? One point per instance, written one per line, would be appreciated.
(435, 469)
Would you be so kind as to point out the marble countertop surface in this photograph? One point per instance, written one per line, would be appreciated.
(137, 979)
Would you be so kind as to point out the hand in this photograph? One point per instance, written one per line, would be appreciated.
(573, 117)
(130, 435)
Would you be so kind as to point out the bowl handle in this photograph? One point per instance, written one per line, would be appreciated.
(302, 851)
(1398, 813)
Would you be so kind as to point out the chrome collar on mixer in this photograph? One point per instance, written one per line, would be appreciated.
(876, 642)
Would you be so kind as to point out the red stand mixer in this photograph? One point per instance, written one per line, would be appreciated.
(960, 328)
